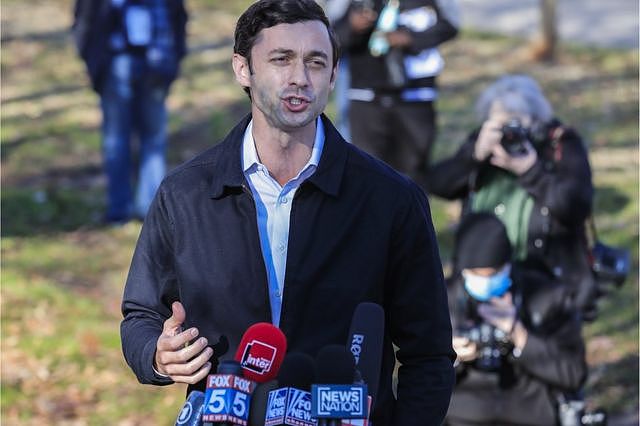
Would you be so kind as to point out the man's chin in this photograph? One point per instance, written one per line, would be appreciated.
(297, 121)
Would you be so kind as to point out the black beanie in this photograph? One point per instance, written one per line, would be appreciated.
(482, 242)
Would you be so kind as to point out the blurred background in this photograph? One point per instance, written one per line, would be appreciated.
(63, 271)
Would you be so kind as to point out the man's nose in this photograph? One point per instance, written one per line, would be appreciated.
(299, 74)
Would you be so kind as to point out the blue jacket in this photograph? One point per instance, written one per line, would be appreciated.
(359, 232)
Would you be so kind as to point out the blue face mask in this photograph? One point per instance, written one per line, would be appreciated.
(484, 288)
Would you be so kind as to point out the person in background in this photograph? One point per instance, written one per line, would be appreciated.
(518, 339)
(336, 10)
(533, 173)
(132, 50)
(394, 62)
(285, 222)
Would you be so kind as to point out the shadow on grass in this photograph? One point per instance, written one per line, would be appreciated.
(66, 199)
(609, 199)
(28, 212)
(614, 379)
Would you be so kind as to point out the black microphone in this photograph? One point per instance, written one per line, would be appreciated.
(365, 343)
(228, 396)
(259, 401)
(191, 412)
(290, 404)
(336, 397)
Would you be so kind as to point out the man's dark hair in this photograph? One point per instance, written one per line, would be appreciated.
(269, 13)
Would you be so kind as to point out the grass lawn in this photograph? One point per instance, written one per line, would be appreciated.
(63, 273)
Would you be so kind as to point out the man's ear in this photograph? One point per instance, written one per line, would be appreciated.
(241, 69)
(334, 75)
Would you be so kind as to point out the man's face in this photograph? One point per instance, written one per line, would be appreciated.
(292, 73)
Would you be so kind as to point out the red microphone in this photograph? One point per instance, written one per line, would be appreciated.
(261, 352)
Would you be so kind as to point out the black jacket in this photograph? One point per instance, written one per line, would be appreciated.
(524, 390)
(92, 26)
(560, 185)
(359, 232)
(369, 72)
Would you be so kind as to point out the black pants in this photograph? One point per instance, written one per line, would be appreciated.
(399, 133)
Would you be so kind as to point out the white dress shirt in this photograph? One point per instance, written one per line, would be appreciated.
(273, 208)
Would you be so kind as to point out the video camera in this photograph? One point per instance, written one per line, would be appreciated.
(572, 411)
(610, 265)
(514, 137)
(492, 344)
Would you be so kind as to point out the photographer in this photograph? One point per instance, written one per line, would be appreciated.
(518, 341)
(532, 172)
(394, 60)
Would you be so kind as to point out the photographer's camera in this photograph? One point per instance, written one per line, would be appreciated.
(514, 137)
(492, 344)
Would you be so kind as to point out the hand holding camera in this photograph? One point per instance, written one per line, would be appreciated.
(501, 313)
(507, 146)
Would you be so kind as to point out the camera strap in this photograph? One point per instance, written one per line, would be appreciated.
(556, 136)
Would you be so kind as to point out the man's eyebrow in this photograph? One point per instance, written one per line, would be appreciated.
(281, 50)
(291, 52)
(316, 53)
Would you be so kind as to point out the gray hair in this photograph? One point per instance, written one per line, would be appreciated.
(518, 94)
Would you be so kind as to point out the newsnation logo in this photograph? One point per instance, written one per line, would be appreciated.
(258, 357)
(339, 401)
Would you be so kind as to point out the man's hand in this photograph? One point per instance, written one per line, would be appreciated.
(466, 350)
(175, 356)
(399, 39)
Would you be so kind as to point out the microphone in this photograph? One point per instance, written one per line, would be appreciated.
(259, 401)
(191, 413)
(261, 352)
(228, 395)
(336, 397)
(365, 343)
(291, 403)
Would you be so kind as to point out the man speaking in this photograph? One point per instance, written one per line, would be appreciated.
(285, 222)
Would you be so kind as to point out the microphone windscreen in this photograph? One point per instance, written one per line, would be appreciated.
(335, 365)
(261, 352)
(229, 366)
(365, 343)
(259, 401)
(298, 371)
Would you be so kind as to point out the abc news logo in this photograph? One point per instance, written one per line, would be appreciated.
(258, 357)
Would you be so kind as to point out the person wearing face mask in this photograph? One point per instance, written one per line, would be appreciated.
(530, 170)
(517, 339)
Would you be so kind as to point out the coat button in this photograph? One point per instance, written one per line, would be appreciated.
(544, 211)
(538, 243)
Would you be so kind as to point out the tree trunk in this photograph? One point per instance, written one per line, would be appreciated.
(549, 29)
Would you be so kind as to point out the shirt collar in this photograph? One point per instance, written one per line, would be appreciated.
(250, 156)
(225, 161)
